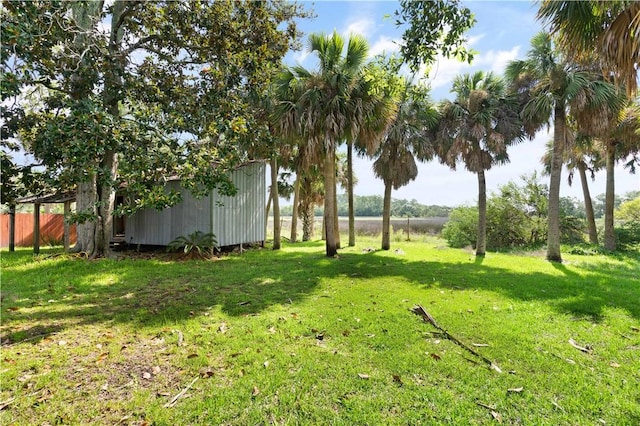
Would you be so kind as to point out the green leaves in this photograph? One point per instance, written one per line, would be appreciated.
(434, 27)
(197, 242)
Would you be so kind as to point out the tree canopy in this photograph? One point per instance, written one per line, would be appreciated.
(137, 92)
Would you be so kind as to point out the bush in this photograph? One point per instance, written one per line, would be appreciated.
(462, 228)
(506, 224)
(629, 211)
(516, 217)
(572, 230)
(628, 235)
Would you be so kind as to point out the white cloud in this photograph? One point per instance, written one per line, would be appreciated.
(498, 60)
(384, 44)
(362, 26)
(300, 56)
(444, 70)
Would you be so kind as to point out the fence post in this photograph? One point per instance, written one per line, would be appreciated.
(408, 228)
(12, 227)
(67, 227)
(36, 228)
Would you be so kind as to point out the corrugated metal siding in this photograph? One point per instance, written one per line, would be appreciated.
(234, 220)
(241, 219)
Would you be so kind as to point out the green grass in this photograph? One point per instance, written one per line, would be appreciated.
(287, 337)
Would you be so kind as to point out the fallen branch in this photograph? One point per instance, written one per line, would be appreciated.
(180, 394)
(586, 350)
(426, 317)
(488, 407)
(5, 404)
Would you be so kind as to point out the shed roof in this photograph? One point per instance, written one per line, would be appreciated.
(53, 198)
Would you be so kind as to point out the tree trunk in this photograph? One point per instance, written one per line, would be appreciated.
(86, 199)
(276, 203)
(294, 213)
(85, 14)
(336, 218)
(12, 227)
(352, 220)
(481, 241)
(386, 216)
(588, 205)
(609, 235)
(107, 194)
(266, 212)
(553, 216)
(98, 195)
(329, 200)
(307, 222)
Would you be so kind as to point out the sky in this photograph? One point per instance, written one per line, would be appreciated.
(502, 33)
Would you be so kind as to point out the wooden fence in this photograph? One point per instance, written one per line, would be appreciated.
(51, 230)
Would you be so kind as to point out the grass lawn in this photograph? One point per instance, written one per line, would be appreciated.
(292, 337)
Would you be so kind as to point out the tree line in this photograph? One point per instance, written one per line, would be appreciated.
(372, 206)
(123, 95)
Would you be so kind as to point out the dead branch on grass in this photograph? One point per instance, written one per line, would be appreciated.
(426, 317)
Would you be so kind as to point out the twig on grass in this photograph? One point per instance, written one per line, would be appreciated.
(6, 403)
(180, 394)
(488, 407)
(586, 349)
(426, 317)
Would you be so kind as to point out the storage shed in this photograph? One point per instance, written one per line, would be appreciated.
(234, 220)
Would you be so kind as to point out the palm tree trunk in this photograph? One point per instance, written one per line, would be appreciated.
(336, 218)
(481, 242)
(294, 213)
(276, 203)
(329, 200)
(266, 212)
(352, 220)
(588, 205)
(553, 217)
(386, 216)
(307, 222)
(609, 235)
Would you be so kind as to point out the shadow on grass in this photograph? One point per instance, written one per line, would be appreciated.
(152, 292)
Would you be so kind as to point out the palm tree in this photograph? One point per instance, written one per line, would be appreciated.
(550, 87)
(583, 156)
(617, 130)
(477, 128)
(407, 138)
(377, 92)
(325, 107)
(597, 31)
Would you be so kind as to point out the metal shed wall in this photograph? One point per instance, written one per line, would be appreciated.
(234, 220)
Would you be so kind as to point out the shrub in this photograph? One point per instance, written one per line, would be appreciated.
(197, 241)
(629, 210)
(572, 230)
(461, 229)
(628, 235)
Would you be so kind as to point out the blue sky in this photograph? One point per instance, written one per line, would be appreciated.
(502, 33)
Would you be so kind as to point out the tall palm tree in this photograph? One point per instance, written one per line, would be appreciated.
(618, 131)
(381, 81)
(408, 137)
(581, 156)
(597, 31)
(477, 128)
(324, 108)
(550, 88)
